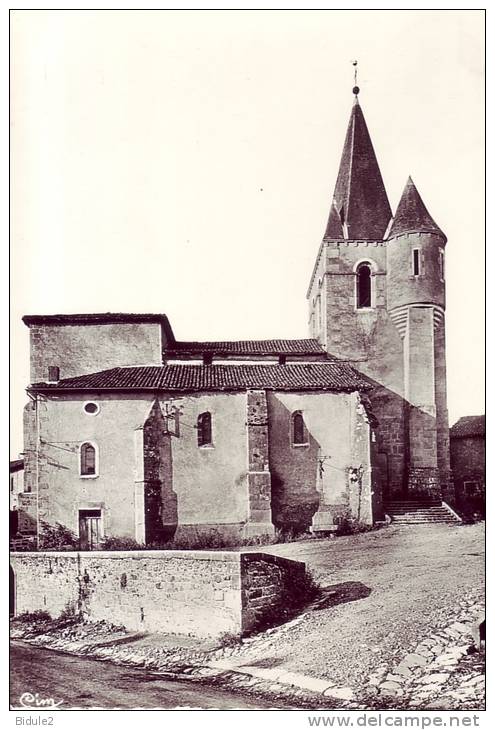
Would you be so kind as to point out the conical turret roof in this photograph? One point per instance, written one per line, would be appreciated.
(412, 215)
(360, 207)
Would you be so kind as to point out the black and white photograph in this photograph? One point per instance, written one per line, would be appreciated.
(247, 363)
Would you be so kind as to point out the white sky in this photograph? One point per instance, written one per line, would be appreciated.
(183, 162)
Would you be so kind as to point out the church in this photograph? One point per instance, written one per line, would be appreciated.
(130, 433)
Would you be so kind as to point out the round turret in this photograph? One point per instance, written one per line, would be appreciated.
(415, 255)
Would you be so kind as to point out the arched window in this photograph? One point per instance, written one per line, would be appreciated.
(88, 461)
(204, 429)
(363, 286)
(298, 428)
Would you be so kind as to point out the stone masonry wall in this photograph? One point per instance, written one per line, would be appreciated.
(258, 475)
(468, 463)
(443, 433)
(159, 498)
(81, 349)
(181, 592)
(27, 513)
(368, 339)
(266, 581)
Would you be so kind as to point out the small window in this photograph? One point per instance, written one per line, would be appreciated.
(298, 429)
(363, 286)
(471, 489)
(441, 265)
(415, 262)
(11, 484)
(91, 408)
(53, 374)
(204, 429)
(88, 460)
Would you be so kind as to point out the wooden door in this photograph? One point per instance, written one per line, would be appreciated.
(89, 529)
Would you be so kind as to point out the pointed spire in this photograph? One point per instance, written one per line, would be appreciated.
(360, 199)
(411, 215)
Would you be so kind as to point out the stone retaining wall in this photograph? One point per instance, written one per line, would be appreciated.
(182, 592)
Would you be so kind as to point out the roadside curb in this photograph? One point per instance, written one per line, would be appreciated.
(294, 679)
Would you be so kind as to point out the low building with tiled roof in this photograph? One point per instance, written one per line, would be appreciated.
(468, 462)
(149, 450)
(467, 427)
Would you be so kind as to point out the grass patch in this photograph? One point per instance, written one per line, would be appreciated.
(228, 639)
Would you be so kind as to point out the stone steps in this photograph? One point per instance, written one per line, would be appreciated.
(419, 512)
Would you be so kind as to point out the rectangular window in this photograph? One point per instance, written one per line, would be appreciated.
(11, 484)
(415, 261)
(204, 429)
(441, 266)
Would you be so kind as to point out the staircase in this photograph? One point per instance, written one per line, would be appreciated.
(419, 512)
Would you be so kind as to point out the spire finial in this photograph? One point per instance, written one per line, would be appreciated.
(355, 89)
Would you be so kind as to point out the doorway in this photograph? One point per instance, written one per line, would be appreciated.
(382, 468)
(90, 532)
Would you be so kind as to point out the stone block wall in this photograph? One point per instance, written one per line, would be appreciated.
(78, 349)
(258, 474)
(468, 463)
(268, 582)
(27, 513)
(179, 592)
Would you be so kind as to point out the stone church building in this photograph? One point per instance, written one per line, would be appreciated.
(131, 433)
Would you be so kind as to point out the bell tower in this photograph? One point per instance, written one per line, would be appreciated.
(377, 300)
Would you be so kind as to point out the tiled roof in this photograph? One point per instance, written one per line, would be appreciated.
(16, 465)
(252, 347)
(412, 215)
(337, 376)
(360, 197)
(468, 426)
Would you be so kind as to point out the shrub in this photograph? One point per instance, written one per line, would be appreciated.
(121, 543)
(36, 617)
(69, 612)
(57, 537)
(302, 591)
(351, 526)
(471, 509)
(228, 639)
